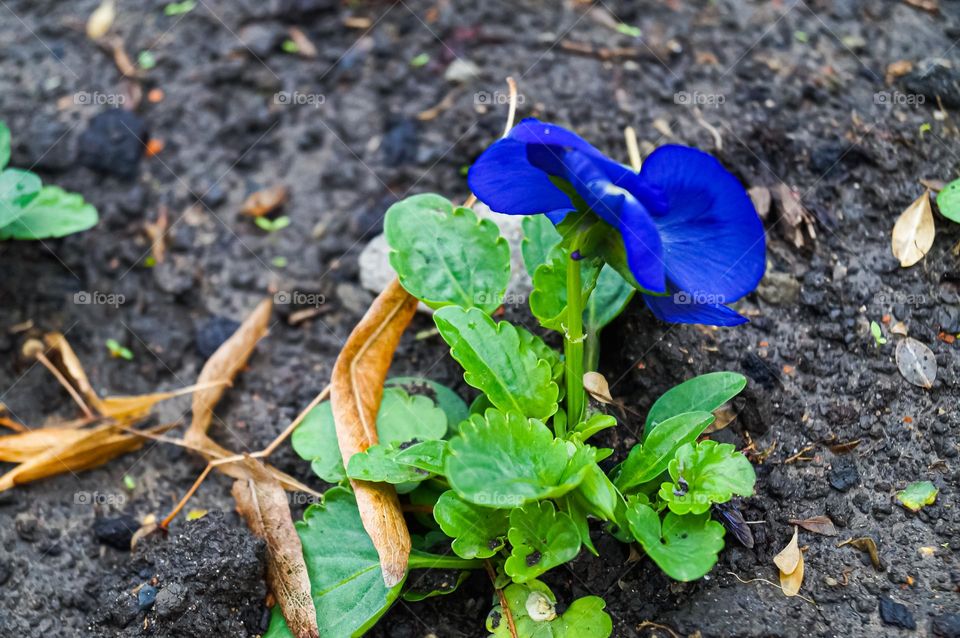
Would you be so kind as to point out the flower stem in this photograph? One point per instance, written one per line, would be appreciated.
(573, 346)
(426, 560)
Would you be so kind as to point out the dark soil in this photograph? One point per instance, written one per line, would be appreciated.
(796, 92)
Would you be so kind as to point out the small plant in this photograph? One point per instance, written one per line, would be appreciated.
(118, 351)
(30, 210)
(511, 482)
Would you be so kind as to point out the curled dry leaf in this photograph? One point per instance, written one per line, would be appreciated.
(356, 390)
(17, 448)
(798, 220)
(760, 195)
(133, 408)
(724, 416)
(71, 366)
(868, 545)
(596, 386)
(263, 504)
(914, 231)
(916, 363)
(305, 48)
(790, 563)
(265, 201)
(816, 524)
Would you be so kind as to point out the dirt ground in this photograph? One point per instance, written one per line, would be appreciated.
(789, 91)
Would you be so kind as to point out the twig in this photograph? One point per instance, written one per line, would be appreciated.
(652, 625)
(267, 451)
(717, 138)
(633, 150)
(772, 584)
(186, 497)
(42, 358)
(503, 600)
(444, 104)
(799, 456)
(512, 110)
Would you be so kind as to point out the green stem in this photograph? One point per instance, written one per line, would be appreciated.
(591, 351)
(573, 344)
(426, 560)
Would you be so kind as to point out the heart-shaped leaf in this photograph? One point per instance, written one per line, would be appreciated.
(446, 399)
(685, 547)
(541, 538)
(533, 608)
(705, 393)
(496, 362)
(505, 460)
(17, 189)
(709, 472)
(540, 236)
(378, 463)
(477, 532)
(918, 495)
(948, 199)
(447, 256)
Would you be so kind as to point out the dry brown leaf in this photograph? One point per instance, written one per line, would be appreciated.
(868, 545)
(789, 557)
(356, 390)
(898, 69)
(790, 583)
(845, 447)
(914, 231)
(70, 364)
(265, 201)
(134, 408)
(222, 366)
(596, 386)
(305, 47)
(817, 524)
(916, 363)
(96, 447)
(899, 328)
(17, 448)
(760, 195)
(799, 222)
(263, 504)
(723, 416)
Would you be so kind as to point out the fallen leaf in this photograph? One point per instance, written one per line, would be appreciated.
(798, 220)
(916, 363)
(96, 447)
(790, 556)
(914, 231)
(596, 386)
(760, 195)
(866, 544)
(221, 368)
(134, 408)
(816, 524)
(898, 69)
(790, 583)
(71, 366)
(930, 6)
(196, 514)
(305, 47)
(100, 21)
(18, 448)
(265, 201)
(918, 495)
(356, 390)
(844, 448)
(723, 416)
(264, 506)
(927, 551)
(899, 328)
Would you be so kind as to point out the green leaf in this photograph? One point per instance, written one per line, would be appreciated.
(948, 199)
(647, 460)
(541, 538)
(447, 256)
(513, 377)
(403, 417)
(545, 352)
(17, 189)
(599, 494)
(685, 548)
(344, 569)
(533, 607)
(540, 236)
(179, 8)
(449, 401)
(505, 460)
(709, 472)
(5, 145)
(704, 393)
(548, 300)
(315, 440)
(595, 424)
(53, 212)
(378, 463)
(917, 495)
(609, 298)
(428, 456)
(477, 532)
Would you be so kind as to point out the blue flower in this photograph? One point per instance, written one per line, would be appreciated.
(692, 237)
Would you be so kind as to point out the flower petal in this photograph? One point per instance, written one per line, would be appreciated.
(713, 241)
(505, 180)
(620, 209)
(667, 309)
(532, 131)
